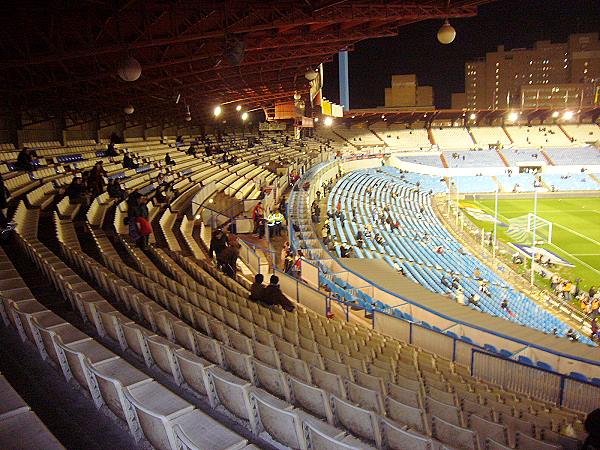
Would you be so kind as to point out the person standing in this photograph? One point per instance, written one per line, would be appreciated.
(4, 196)
(140, 228)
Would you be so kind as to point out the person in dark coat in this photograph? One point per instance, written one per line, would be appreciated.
(136, 210)
(273, 296)
(592, 426)
(128, 162)
(25, 159)
(218, 242)
(227, 259)
(4, 196)
(96, 179)
(257, 288)
(76, 190)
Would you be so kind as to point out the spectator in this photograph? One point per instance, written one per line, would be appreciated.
(571, 335)
(477, 273)
(474, 300)
(115, 190)
(258, 213)
(137, 215)
(273, 296)
(285, 250)
(76, 191)
(4, 196)
(446, 282)
(191, 150)
(169, 161)
(345, 250)
(594, 326)
(25, 159)
(218, 242)
(257, 288)
(128, 162)
(227, 259)
(592, 427)
(505, 307)
(96, 179)
(459, 296)
(278, 222)
(111, 151)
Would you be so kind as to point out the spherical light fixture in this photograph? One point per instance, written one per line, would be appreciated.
(316, 119)
(568, 115)
(238, 108)
(297, 96)
(188, 117)
(129, 109)
(328, 121)
(555, 114)
(129, 69)
(217, 111)
(244, 116)
(446, 33)
(473, 116)
(513, 116)
(310, 75)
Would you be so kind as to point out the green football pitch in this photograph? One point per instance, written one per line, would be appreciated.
(575, 232)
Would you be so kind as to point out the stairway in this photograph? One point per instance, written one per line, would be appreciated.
(430, 136)
(508, 135)
(566, 134)
(444, 162)
(472, 136)
(502, 157)
(547, 157)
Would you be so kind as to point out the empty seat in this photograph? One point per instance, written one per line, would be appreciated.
(194, 371)
(406, 396)
(486, 429)
(26, 431)
(330, 382)
(397, 438)
(359, 421)
(403, 414)
(365, 398)
(198, 431)
(271, 379)
(318, 440)
(443, 411)
(457, 437)
(525, 442)
(313, 399)
(156, 408)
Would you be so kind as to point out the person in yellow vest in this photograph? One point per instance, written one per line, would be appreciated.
(279, 219)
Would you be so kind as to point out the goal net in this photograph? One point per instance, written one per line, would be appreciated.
(543, 228)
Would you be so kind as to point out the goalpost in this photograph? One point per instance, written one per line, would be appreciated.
(543, 227)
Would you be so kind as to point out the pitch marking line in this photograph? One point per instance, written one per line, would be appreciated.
(553, 245)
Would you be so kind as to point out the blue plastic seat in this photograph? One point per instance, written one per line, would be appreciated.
(505, 353)
(545, 366)
(490, 348)
(466, 339)
(578, 376)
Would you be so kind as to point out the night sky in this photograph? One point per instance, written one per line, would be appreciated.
(512, 23)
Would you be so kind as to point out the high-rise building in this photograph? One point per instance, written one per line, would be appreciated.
(405, 92)
(549, 75)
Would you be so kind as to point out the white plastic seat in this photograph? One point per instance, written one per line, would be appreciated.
(198, 431)
(26, 431)
(469, 408)
(365, 398)
(313, 399)
(12, 403)
(490, 444)
(486, 429)
(330, 382)
(273, 380)
(266, 354)
(156, 408)
(163, 355)
(443, 411)
(414, 418)
(238, 363)
(406, 396)
(285, 424)
(234, 394)
(359, 421)
(112, 377)
(194, 371)
(295, 367)
(209, 348)
(399, 438)
(318, 440)
(457, 437)
(525, 442)
(135, 337)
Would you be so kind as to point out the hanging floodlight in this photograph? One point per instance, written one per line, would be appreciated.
(238, 108)
(129, 69)
(297, 96)
(446, 33)
(129, 109)
(244, 116)
(217, 111)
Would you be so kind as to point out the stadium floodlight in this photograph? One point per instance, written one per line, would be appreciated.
(244, 116)
(238, 108)
(446, 33)
(217, 111)
(473, 116)
(555, 114)
(568, 115)
(316, 119)
(513, 116)
(197, 216)
(383, 116)
(328, 121)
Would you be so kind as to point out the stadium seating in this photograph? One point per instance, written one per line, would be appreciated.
(521, 182)
(359, 136)
(427, 160)
(452, 138)
(473, 158)
(485, 136)
(583, 133)
(398, 137)
(421, 232)
(515, 155)
(537, 136)
(575, 182)
(574, 156)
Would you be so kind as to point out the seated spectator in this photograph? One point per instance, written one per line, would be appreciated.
(191, 150)
(169, 161)
(571, 335)
(76, 190)
(25, 159)
(446, 282)
(273, 296)
(345, 250)
(111, 150)
(128, 162)
(474, 300)
(115, 190)
(96, 179)
(257, 288)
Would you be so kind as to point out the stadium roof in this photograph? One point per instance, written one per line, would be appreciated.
(61, 56)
